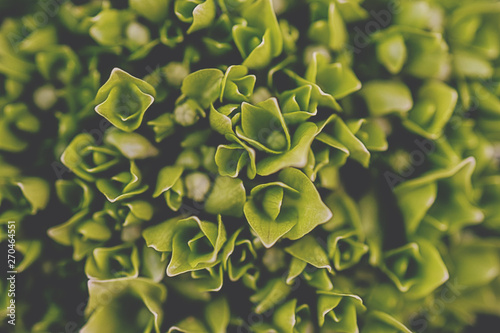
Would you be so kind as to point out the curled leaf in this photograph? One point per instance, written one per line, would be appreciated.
(290, 207)
(124, 99)
(416, 268)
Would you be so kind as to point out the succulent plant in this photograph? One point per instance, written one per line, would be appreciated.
(250, 166)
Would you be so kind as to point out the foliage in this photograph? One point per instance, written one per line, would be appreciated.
(251, 165)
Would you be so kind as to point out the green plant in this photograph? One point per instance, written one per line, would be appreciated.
(251, 165)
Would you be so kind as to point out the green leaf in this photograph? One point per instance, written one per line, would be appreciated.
(58, 63)
(284, 316)
(443, 196)
(159, 236)
(259, 38)
(195, 245)
(334, 79)
(39, 40)
(297, 105)
(80, 150)
(472, 65)
(263, 127)
(391, 52)
(171, 34)
(203, 86)
(63, 233)
(199, 284)
(141, 295)
(196, 140)
(290, 36)
(428, 55)
(296, 156)
(318, 279)
(230, 159)
(131, 145)
(338, 135)
(372, 134)
(124, 99)
(384, 97)
(475, 264)
(189, 325)
(489, 198)
(109, 26)
(386, 297)
(74, 193)
(270, 295)
(308, 250)
(123, 185)
(138, 40)
(489, 103)
(227, 197)
(82, 232)
(237, 86)
(419, 14)
(433, 109)
(113, 262)
(329, 81)
(416, 268)
(296, 267)
(15, 122)
(379, 322)
(272, 200)
(174, 197)
(269, 229)
(154, 10)
(152, 266)
(300, 210)
(311, 214)
(138, 211)
(167, 177)
(327, 25)
(238, 256)
(8, 170)
(217, 315)
(30, 250)
(218, 41)
(222, 119)
(345, 249)
(36, 191)
(163, 126)
(78, 19)
(200, 13)
(337, 311)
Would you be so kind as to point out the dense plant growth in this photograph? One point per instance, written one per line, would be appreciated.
(251, 165)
